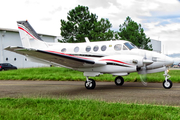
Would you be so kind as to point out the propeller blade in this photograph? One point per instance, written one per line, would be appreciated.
(143, 76)
(143, 70)
(143, 79)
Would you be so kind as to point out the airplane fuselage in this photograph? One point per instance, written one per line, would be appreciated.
(121, 57)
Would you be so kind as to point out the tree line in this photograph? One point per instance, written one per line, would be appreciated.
(81, 23)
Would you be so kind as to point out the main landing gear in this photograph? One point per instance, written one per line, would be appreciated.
(91, 84)
(119, 81)
(167, 84)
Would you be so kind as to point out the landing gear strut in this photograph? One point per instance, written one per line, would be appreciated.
(90, 83)
(119, 81)
(167, 84)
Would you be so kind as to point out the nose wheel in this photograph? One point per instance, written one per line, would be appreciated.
(90, 83)
(167, 84)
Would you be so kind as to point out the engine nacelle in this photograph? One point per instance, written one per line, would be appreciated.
(131, 60)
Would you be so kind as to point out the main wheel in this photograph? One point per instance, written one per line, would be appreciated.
(119, 80)
(167, 84)
(90, 84)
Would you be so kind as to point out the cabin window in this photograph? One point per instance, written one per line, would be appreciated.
(6, 59)
(96, 48)
(63, 50)
(88, 48)
(124, 47)
(103, 48)
(117, 47)
(14, 59)
(76, 49)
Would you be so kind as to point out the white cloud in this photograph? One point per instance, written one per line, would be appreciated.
(163, 32)
(159, 18)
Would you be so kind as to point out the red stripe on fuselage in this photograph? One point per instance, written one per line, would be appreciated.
(114, 61)
(27, 32)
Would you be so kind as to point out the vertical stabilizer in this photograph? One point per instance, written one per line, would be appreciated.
(29, 37)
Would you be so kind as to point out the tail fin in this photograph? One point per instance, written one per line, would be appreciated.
(29, 37)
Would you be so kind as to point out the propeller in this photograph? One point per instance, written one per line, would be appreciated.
(143, 70)
(143, 75)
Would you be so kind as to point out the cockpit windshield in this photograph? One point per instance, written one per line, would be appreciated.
(130, 45)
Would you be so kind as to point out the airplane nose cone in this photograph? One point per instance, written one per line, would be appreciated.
(168, 61)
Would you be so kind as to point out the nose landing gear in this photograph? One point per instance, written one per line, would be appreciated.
(167, 84)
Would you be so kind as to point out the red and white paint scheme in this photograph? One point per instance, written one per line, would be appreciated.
(116, 57)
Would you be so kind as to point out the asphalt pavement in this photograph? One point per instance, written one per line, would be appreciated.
(130, 92)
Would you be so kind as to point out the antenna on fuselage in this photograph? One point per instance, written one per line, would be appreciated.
(87, 39)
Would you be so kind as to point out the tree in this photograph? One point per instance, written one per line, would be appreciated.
(133, 32)
(81, 23)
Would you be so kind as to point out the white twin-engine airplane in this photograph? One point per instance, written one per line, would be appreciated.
(117, 57)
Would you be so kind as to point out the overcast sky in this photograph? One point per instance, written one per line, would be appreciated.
(159, 18)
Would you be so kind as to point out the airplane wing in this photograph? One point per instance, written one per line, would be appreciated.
(59, 58)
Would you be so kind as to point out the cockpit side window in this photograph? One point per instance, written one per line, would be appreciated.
(117, 47)
(130, 45)
(124, 47)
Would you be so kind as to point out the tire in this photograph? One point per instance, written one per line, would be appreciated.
(168, 84)
(119, 81)
(91, 84)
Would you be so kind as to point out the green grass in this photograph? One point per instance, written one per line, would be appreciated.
(62, 109)
(64, 74)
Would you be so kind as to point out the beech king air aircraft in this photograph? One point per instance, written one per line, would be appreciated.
(118, 57)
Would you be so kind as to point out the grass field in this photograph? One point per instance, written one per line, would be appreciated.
(64, 74)
(64, 109)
